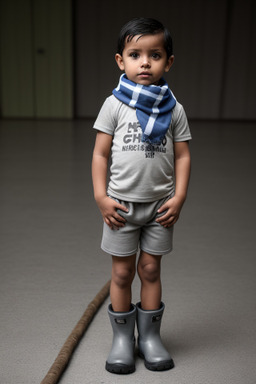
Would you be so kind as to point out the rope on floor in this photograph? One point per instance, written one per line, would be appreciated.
(66, 351)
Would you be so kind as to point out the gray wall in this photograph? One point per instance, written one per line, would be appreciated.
(214, 46)
(36, 57)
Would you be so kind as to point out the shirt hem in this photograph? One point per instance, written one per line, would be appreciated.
(136, 199)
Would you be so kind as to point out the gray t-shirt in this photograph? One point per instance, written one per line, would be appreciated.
(139, 172)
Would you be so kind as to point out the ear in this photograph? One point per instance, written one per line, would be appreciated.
(119, 61)
(169, 63)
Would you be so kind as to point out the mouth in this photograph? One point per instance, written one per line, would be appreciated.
(144, 75)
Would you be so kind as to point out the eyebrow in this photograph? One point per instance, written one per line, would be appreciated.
(138, 50)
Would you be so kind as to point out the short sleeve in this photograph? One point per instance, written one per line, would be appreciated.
(106, 119)
(180, 127)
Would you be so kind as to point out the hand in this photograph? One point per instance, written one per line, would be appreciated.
(108, 208)
(172, 208)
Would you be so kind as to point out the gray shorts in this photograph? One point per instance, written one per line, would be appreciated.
(140, 230)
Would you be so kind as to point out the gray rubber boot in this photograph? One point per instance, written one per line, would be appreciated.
(121, 357)
(151, 348)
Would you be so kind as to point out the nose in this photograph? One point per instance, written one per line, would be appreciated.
(145, 62)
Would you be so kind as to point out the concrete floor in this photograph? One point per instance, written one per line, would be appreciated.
(52, 265)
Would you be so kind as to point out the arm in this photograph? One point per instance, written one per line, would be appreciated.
(182, 172)
(108, 207)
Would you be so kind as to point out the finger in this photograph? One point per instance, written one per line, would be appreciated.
(113, 224)
(171, 221)
(163, 208)
(162, 218)
(167, 222)
(118, 222)
(108, 222)
(119, 218)
(118, 215)
(122, 207)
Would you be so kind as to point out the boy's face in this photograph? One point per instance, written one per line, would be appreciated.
(144, 59)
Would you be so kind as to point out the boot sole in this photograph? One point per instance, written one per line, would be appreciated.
(160, 366)
(120, 369)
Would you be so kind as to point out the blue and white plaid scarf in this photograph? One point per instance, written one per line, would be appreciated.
(153, 106)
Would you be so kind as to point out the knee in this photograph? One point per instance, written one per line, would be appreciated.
(149, 272)
(123, 276)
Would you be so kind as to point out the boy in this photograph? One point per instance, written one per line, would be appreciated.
(147, 130)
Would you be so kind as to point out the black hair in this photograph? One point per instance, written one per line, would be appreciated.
(144, 26)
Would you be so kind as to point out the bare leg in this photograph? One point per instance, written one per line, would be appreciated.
(149, 269)
(123, 271)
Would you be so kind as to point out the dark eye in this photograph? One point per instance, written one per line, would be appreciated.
(134, 55)
(156, 56)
